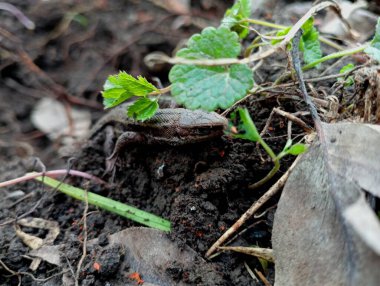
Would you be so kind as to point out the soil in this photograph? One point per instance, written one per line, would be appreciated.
(201, 188)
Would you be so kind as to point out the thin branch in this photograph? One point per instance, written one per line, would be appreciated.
(53, 173)
(251, 211)
(84, 247)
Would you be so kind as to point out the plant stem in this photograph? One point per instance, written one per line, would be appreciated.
(264, 23)
(267, 177)
(272, 172)
(267, 149)
(281, 27)
(334, 56)
(161, 91)
(52, 173)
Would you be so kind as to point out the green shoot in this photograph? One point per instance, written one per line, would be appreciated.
(110, 205)
(350, 80)
(250, 133)
(233, 16)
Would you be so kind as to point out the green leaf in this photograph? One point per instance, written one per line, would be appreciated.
(280, 33)
(212, 44)
(143, 108)
(247, 125)
(110, 205)
(374, 46)
(137, 86)
(115, 97)
(81, 19)
(209, 88)
(347, 68)
(239, 11)
(297, 149)
(123, 86)
(310, 44)
(289, 143)
(350, 80)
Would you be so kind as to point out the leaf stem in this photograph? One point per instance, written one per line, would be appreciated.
(334, 56)
(264, 23)
(161, 90)
(52, 173)
(272, 172)
(281, 27)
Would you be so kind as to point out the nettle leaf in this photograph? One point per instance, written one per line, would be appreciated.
(310, 45)
(374, 46)
(143, 108)
(137, 86)
(239, 11)
(123, 86)
(112, 102)
(209, 88)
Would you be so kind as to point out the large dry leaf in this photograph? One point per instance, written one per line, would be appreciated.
(318, 236)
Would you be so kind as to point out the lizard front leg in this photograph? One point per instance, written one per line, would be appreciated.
(127, 138)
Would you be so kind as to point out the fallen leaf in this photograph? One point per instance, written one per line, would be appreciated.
(318, 236)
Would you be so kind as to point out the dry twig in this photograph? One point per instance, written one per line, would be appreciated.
(270, 193)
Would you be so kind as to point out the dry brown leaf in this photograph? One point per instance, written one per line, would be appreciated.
(318, 239)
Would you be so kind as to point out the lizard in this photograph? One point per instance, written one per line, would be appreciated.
(169, 126)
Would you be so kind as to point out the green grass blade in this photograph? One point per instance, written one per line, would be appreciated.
(110, 205)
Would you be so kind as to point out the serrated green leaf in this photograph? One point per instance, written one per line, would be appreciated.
(143, 108)
(310, 44)
(212, 44)
(109, 102)
(247, 125)
(239, 11)
(137, 86)
(209, 88)
(297, 149)
(374, 47)
(123, 86)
